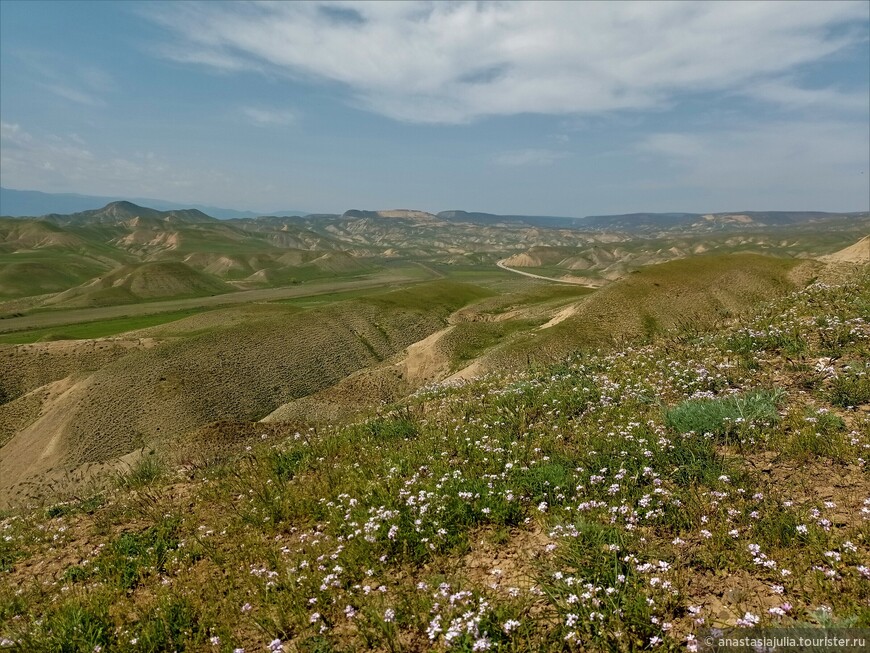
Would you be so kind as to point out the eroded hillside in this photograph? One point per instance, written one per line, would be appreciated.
(94, 402)
(617, 500)
(75, 408)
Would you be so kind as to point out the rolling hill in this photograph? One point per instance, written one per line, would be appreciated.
(172, 381)
(664, 473)
(141, 282)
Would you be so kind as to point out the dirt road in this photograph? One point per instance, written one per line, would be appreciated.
(578, 282)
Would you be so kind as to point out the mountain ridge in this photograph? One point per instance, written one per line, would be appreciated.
(34, 203)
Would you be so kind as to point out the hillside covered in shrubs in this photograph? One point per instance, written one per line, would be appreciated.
(622, 500)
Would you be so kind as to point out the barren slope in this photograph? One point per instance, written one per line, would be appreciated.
(241, 370)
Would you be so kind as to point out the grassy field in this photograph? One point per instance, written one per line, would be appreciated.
(60, 317)
(617, 501)
(98, 329)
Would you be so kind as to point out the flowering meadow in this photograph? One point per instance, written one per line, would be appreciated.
(621, 500)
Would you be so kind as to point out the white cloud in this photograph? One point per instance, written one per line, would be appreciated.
(66, 163)
(11, 134)
(530, 157)
(813, 163)
(64, 77)
(266, 117)
(792, 96)
(74, 94)
(454, 62)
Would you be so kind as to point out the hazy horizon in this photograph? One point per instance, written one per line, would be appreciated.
(222, 212)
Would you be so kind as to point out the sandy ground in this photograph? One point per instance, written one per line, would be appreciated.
(857, 253)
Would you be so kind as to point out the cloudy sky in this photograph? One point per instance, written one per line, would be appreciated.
(544, 108)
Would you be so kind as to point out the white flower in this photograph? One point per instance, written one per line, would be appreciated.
(748, 621)
(510, 624)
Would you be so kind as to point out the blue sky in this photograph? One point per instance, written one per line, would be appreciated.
(544, 108)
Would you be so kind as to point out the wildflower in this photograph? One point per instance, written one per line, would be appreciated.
(389, 615)
(215, 640)
(275, 645)
(314, 618)
(748, 621)
(542, 507)
(482, 644)
(247, 608)
(509, 625)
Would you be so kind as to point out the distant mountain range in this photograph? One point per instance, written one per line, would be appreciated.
(81, 207)
(32, 203)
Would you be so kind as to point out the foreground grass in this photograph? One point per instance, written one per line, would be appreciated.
(619, 501)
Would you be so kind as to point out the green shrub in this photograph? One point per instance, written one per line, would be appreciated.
(851, 387)
(144, 472)
(724, 416)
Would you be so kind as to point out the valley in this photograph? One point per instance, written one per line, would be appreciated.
(190, 321)
(145, 355)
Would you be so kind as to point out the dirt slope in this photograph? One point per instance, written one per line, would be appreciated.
(857, 253)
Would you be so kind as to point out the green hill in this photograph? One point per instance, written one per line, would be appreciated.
(143, 282)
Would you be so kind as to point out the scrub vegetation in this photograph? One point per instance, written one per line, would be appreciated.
(620, 499)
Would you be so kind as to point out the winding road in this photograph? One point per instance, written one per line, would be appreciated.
(578, 282)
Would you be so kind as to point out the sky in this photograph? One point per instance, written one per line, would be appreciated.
(563, 108)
